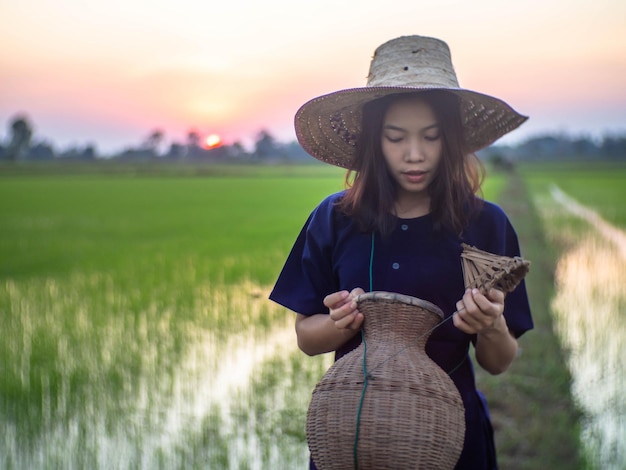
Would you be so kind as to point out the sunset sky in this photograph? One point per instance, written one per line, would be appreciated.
(108, 72)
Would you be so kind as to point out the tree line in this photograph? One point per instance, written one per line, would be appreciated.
(561, 147)
(22, 144)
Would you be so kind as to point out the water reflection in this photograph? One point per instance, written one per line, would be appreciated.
(590, 309)
(94, 378)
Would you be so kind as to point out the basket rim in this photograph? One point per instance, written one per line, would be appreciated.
(399, 298)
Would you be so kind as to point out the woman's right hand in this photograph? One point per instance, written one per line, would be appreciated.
(343, 309)
(322, 333)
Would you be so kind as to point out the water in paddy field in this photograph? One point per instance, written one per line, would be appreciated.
(94, 382)
(590, 316)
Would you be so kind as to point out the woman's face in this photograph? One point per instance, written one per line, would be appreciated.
(412, 145)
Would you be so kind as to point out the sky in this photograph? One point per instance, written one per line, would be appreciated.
(110, 72)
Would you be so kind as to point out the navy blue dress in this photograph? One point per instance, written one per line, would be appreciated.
(331, 254)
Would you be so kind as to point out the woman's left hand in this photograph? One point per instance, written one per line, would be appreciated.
(477, 313)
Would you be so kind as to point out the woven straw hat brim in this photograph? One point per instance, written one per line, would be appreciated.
(327, 127)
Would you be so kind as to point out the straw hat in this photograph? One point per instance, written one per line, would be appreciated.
(327, 127)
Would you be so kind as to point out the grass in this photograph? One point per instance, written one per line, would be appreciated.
(598, 185)
(588, 308)
(535, 420)
(112, 275)
(53, 225)
(119, 297)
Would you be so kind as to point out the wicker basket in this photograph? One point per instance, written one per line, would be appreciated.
(411, 414)
(484, 270)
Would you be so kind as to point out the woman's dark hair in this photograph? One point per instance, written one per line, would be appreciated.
(372, 190)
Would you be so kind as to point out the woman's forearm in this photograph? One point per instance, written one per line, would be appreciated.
(496, 348)
(317, 334)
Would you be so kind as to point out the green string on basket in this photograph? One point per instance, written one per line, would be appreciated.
(365, 373)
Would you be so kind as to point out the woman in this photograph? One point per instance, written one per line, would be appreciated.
(407, 140)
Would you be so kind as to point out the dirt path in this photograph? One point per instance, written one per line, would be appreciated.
(535, 418)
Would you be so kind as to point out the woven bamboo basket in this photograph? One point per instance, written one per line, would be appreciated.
(410, 414)
(484, 270)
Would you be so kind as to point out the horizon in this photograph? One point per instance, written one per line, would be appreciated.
(109, 73)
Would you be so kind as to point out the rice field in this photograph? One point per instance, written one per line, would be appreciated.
(136, 330)
(585, 222)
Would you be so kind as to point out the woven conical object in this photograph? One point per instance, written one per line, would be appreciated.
(484, 270)
(409, 416)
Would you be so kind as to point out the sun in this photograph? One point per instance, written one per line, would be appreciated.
(212, 141)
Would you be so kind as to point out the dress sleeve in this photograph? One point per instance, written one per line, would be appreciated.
(495, 233)
(308, 275)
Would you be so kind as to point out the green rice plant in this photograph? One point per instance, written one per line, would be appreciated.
(54, 225)
(598, 185)
(86, 374)
(120, 293)
(131, 302)
(588, 305)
